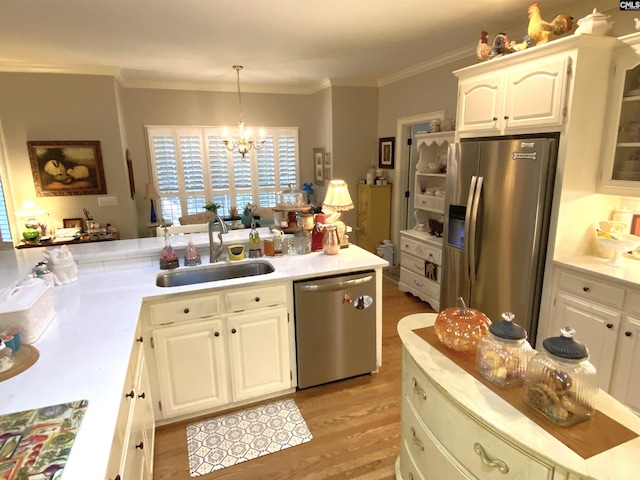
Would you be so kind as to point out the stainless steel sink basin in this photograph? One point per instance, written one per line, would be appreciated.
(213, 272)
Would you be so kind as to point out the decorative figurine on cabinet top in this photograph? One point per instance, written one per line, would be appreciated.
(541, 31)
(500, 46)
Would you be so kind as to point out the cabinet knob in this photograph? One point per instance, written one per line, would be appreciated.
(585, 289)
(495, 119)
(257, 299)
(140, 339)
(216, 334)
(628, 334)
(141, 395)
(609, 325)
(131, 394)
(186, 310)
(233, 330)
(140, 445)
(118, 477)
(506, 117)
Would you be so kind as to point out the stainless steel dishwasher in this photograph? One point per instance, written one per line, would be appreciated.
(335, 320)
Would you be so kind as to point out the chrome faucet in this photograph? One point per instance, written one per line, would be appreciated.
(214, 252)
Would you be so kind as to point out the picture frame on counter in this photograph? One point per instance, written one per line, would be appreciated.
(72, 223)
(318, 166)
(62, 168)
(386, 150)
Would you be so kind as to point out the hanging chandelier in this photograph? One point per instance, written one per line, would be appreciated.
(244, 141)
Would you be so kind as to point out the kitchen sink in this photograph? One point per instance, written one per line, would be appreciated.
(212, 273)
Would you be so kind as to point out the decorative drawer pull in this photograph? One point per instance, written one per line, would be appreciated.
(416, 441)
(131, 394)
(628, 334)
(417, 390)
(142, 395)
(499, 464)
(585, 289)
(186, 310)
(609, 325)
(140, 445)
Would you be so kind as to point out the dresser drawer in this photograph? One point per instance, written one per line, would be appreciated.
(252, 298)
(462, 436)
(419, 266)
(420, 283)
(632, 306)
(593, 290)
(187, 308)
(421, 250)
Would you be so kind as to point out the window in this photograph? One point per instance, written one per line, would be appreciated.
(192, 167)
(5, 232)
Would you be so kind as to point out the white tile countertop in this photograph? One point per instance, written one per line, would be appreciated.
(616, 463)
(84, 352)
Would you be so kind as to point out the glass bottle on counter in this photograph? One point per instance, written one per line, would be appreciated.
(502, 356)
(560, 382)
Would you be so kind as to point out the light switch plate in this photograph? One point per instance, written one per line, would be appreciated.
(107, 201)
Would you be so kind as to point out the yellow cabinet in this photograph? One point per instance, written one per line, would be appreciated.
(374, 215)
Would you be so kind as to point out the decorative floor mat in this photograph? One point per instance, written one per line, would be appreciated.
(244, 435)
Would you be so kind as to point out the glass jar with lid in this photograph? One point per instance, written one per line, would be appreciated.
(502, 356)
(560, 382)
(291, 199)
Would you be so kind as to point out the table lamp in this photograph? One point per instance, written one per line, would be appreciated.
(336, 201)
(151, 194)
(34, 229)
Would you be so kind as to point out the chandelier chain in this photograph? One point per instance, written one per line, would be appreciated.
(237, 68)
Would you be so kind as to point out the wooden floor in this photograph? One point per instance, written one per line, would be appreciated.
(355, 423)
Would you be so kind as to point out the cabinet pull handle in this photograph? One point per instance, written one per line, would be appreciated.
(141, 395)
(140, 445)
(410, 476)
(140, 339)
(499, 464)
(233, 330)
(585, 289)
(609, 325)
(417, 390)
(416, 441)
(186, 310)
(131, 394)
(216, 334)
(628, 334)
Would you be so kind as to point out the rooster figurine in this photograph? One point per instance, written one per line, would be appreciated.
(499, 46)
(540, 31)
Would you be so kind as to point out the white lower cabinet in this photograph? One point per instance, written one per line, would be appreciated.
(420, 260)
(606, 318)
(133, 443)
(237, 347)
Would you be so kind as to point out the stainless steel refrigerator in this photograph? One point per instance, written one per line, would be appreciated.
(497, 206)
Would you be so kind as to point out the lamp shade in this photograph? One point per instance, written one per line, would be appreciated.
(151, 192)
(29, 209)
(337, 198)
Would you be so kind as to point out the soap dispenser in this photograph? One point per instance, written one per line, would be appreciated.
(254, 241)
(168, 257)
(191, 257)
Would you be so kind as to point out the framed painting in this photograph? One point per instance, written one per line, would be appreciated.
(62, 168)
(72, 223)
(318, 166)
(386, 149)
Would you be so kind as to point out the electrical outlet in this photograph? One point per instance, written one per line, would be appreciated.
(107, 201)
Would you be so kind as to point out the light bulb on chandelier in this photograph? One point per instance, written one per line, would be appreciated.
(244, 141)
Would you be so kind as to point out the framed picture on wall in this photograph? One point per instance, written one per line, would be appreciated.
(62, 168)
(318, 165)
(386, 149)
(328, 174)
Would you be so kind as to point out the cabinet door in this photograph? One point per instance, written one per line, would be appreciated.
(625, 386)
(536, 94)
(596, 327)
(480, 103)
(192, 372)
(259, 352)
(374, 215)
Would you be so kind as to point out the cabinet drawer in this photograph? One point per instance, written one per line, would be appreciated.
(421, 250)
(462, 435)
(252, 298)
(592, 289)
(632, 306)
(420, 283)
(187, 308)
(419, 266)
(429, 202)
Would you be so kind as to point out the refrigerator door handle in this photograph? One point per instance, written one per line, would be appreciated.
(472, 233)
(467, 223)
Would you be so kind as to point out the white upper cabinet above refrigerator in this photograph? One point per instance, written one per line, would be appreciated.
(620, 169)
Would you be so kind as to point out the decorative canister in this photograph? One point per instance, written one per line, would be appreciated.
(501, 356)
(330, 240)
(560, 382)
(6, 357)
(461, 328)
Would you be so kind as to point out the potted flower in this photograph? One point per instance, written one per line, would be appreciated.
(212, 207)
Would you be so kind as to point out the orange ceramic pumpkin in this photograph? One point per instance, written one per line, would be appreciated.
(460, 328)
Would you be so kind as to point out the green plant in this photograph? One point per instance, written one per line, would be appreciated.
(212, 207)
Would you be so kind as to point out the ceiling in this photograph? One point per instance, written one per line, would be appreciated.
(293, 46)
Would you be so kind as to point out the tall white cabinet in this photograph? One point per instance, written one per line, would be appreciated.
(421, 248)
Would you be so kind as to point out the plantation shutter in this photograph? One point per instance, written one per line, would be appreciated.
(5, 232)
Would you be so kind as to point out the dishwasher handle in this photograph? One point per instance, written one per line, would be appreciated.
(335, 286)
